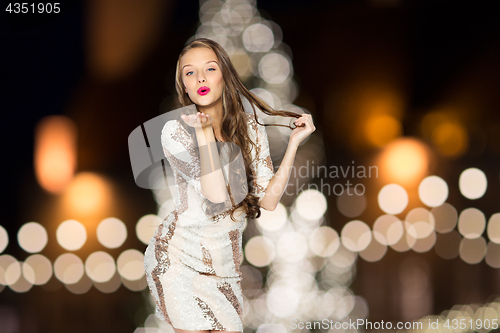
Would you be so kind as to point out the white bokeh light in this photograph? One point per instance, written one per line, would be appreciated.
(356, 236)
(311, 204)
(146, 227)
(419, 223)
(433, 191)
(4, 239)
(71, 235)
(324, 242)
(68, 268)
(282, 301)
(393, 199)
(111, 233)
(258, 38)
(274, 68)
(472, 183)
(388, 229)
(37, 269)
(272, 220)
(130, 264)
(100, 266)
(32, 237)
(292, 246)
(259, 251)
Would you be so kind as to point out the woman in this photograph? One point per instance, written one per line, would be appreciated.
(192, 261)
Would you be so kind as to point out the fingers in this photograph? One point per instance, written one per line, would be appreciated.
(305, 119)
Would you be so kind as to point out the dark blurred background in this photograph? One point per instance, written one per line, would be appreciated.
(370, 72)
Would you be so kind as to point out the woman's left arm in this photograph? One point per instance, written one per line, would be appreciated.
(278, 183)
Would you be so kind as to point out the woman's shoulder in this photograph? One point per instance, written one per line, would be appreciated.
(173, 130)
(254, 123)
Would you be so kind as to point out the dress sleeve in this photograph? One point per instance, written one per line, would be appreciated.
(181, 153)
(263, 169)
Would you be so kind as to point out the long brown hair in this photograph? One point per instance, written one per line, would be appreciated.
(234, 124)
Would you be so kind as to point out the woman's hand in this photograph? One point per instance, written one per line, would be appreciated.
(306, 127)
(197, 121)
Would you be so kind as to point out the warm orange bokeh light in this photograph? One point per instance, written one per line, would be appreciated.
(404, 161)
(88, 194)
(446, 131)
(382, 129)
(450, 139)
(55, 152)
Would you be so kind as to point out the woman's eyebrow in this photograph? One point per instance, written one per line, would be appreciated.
(205, 63)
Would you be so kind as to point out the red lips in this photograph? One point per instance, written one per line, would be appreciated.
(203, 90)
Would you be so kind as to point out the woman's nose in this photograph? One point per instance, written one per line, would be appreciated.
(201, 78)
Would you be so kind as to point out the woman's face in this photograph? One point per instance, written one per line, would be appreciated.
(202, 76)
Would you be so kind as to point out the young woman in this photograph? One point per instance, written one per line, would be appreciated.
(192, 262)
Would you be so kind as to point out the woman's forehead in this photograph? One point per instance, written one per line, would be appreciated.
(198, 56)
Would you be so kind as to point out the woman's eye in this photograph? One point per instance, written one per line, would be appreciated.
(211, 68)
(189, 72)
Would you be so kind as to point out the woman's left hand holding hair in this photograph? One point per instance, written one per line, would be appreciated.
(305, 127)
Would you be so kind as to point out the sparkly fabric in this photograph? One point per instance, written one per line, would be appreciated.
(193, 261)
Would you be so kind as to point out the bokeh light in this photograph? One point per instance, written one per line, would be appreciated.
(419, 223)
(4, 239)
(282, 301)
(258, 38)
(472, 251)
(111, 233)
(10, 270)
(404, 161)
(292, 246)
(130, 264)
(374, 252)
(82, 286)
(272, 220)
(32, 237)
(356, 236)
(87, 194)
(68, 268)
(433, 191)
(259, 251)
(392, 199)
(472, 183)
(109, 286)
(425, 244)
(55, 152)
(405, 243)
(493, 255)
(274, 68)
(100, 266)
(324, 242)
(311, 204)
(388, 229)
(37, 269)
(380, 129)
(146, 227)
(450, 139)
(471, 223)
(445, 217)
(71, 235)
(493, 229)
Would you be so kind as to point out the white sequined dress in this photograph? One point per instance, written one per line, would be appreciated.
(192, 262)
